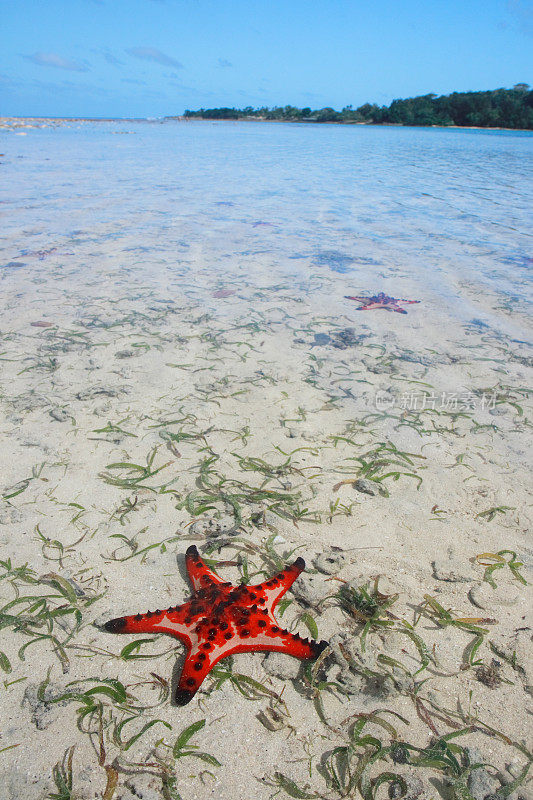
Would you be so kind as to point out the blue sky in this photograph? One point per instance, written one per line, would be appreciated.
(157, 57)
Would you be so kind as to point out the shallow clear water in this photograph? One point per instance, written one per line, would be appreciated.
(179, 363)
(440, 214)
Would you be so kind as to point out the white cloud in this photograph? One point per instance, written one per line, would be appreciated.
(56, 61)
(153, 54)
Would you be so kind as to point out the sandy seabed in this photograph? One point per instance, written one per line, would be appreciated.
(260, 418)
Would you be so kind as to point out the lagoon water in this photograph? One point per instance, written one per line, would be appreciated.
(440, 212)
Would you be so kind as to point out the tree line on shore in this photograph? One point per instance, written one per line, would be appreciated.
(499, 108)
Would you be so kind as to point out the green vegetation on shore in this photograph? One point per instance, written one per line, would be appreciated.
(500, 108)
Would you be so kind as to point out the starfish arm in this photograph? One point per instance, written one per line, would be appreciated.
(206, 651)
(191, 678)
(276, 639)
(409, 301)
(174, 621)
(199, 573)
(274, 588)
(204, 654)
(398, 310)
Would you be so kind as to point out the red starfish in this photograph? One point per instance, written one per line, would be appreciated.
(383, 301)
(220, 620)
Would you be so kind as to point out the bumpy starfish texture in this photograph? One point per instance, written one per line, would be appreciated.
(220, 620)
(383, 301)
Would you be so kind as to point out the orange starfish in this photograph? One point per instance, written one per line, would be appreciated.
(220, 620)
